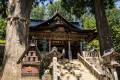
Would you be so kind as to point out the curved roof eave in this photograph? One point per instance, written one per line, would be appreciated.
(58, 15)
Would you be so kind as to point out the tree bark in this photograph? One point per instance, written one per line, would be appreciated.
(16, 37)
(105, 34)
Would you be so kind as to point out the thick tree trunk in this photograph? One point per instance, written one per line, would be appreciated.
(16, 37)
(105, 34)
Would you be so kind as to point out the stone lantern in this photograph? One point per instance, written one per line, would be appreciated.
(110, 62)
(30, 61)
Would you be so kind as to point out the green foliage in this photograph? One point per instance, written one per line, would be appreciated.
(42, 12)
(56, 6)
(2, 27)
(52, 8)
(114, 22)
(2, 41)
(113, 16)
(93, 44)
(83, 6)
(89, 21)
(3, 7)
(37, 13)
(77, 6)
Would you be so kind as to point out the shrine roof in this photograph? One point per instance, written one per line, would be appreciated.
(35, 24)
(56, 21)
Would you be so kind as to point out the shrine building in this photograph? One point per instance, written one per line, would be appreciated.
(60, 33)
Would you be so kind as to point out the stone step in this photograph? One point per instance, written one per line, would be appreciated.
(79, 70)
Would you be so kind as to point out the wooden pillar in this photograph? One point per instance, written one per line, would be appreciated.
(84, 46)
(44, 45)
(69, 51)
(81, 48)
(55, 68)
(49, 45)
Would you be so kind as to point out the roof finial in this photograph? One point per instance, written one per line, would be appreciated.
(56, 11)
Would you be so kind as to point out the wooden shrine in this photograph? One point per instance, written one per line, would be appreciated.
(60, 33)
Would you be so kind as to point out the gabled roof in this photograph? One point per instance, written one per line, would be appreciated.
(38, 24)
(54, 53)
(34, 23)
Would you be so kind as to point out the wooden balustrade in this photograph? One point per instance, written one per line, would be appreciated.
(92, 69)
(88, 54)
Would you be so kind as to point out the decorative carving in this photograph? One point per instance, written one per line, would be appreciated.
(54, 53)
(59, 36)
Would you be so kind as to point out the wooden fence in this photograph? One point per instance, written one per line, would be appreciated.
(93, 70)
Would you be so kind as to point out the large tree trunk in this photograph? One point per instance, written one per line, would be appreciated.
(16, 37)
(105, 34)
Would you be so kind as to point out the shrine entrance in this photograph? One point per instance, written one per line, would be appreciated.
(44, 46)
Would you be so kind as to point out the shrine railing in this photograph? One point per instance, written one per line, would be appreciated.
(92, 69)
(89, 54)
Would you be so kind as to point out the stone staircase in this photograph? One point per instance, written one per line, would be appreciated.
(74, 70)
